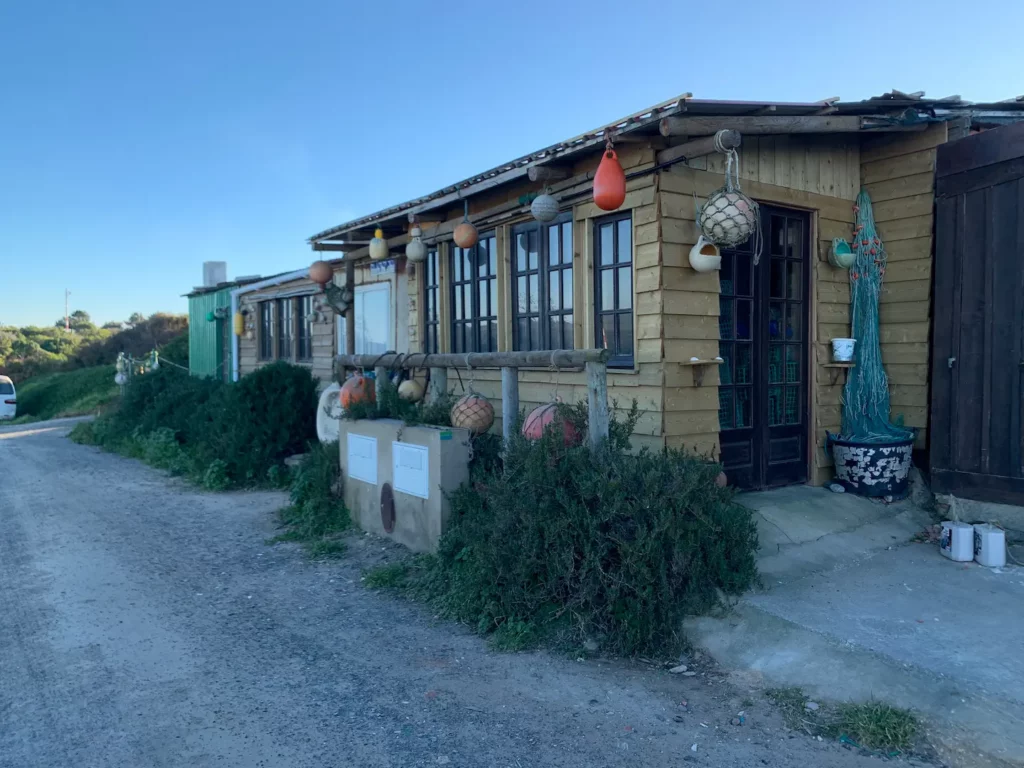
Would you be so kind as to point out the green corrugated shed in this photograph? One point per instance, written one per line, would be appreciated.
(207, 339)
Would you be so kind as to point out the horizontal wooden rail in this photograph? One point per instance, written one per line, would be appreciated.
(558, 358)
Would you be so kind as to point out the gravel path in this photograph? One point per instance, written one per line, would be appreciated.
(145, 623)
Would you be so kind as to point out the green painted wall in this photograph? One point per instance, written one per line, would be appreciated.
(205, 337)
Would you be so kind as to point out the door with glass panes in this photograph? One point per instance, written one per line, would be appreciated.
(762, 398)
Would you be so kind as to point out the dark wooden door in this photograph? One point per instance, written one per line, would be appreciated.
(976, 439)
(762, 399)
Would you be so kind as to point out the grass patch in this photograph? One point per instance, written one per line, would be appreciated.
(875, 725)
(317, 515)
(67, 393)
(792, 705)
(389, 576)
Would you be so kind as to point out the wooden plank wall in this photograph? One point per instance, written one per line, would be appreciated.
(645, 382)
(898, 172)
(820, 174)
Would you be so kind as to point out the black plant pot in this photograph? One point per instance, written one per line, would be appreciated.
(872, 469)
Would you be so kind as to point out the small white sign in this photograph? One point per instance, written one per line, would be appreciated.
(411, 470)
(362, 458)
(382, 267)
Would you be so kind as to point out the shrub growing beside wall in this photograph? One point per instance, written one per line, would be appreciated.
(570, 544)
(227, 435)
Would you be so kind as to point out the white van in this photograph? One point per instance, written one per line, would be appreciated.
(8, 399)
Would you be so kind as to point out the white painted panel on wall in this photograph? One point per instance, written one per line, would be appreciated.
(362, 458)
(411, 470)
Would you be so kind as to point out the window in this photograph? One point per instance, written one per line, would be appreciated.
(542, 285)
(266, 330)
(285, 328)
(431, 311)
(373, 320)
(304, 325)
(474, 296)
(613, 287)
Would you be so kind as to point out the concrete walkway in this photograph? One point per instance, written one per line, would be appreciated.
(851, 610)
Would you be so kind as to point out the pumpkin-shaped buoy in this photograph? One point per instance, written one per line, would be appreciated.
(542, 416)
(378, 246)
(473, 412)
(609, 182)
(320, 272)
(465, 235)
(357, 389)
(410, 390)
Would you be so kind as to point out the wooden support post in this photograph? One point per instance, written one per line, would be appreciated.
(597, 403)
(699, 147)
(380, 375)
(438, 384)
(350, 315)
(509, 402)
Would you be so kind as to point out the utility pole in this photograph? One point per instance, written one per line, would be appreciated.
(67, 317)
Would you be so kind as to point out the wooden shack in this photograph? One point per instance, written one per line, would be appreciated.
(622, 280)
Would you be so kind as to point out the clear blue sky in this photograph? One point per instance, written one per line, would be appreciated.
(138, 139)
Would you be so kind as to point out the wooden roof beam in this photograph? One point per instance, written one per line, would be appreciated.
(699, 147)
(548, 173)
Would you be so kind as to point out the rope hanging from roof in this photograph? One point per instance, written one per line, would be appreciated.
(866, 395)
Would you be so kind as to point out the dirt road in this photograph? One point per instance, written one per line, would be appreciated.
(145, 623)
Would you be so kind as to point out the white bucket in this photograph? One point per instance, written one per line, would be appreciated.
(957, 542)
(842, 350)
(989, 545)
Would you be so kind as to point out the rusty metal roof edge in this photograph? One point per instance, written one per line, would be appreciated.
(625, 125)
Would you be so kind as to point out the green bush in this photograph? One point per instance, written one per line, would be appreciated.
(388, 405)
(68, 393)
(222, 435)
(316, 514)
(567, 544)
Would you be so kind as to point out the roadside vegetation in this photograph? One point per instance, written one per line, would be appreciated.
(316, 517)
(67, 393)
(215, 434)
(873, 725)
(563, 545)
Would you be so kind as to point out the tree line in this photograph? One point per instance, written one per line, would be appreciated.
(32, 350)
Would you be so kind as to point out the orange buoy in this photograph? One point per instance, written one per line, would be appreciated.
(542, 416)
(473, 412)
(357, 389)
(609, 182)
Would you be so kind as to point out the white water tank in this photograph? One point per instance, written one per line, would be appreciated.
(989, 545)
(957, 542)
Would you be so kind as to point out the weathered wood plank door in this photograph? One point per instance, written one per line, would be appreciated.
(763, 414)
(977, 443)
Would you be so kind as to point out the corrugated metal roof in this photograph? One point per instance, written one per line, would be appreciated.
(893, 106)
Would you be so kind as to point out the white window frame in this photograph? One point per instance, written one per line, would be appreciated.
(362, 291)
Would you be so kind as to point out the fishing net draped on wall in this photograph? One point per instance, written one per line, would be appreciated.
(866, 395)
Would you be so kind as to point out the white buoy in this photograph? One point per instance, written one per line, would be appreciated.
(989, 545)
(957, 542)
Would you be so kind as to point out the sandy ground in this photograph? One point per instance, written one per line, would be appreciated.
(145, 623)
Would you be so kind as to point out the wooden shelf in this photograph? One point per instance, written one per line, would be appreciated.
(834, 369)
(699, 367)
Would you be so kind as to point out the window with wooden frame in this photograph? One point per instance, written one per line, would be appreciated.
(613, 287)
(431, 297)
(266, 314)
(474, 296)
(285, 328)
(542, 285)
(304, 328)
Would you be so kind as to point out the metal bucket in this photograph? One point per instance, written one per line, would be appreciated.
(872, 469)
